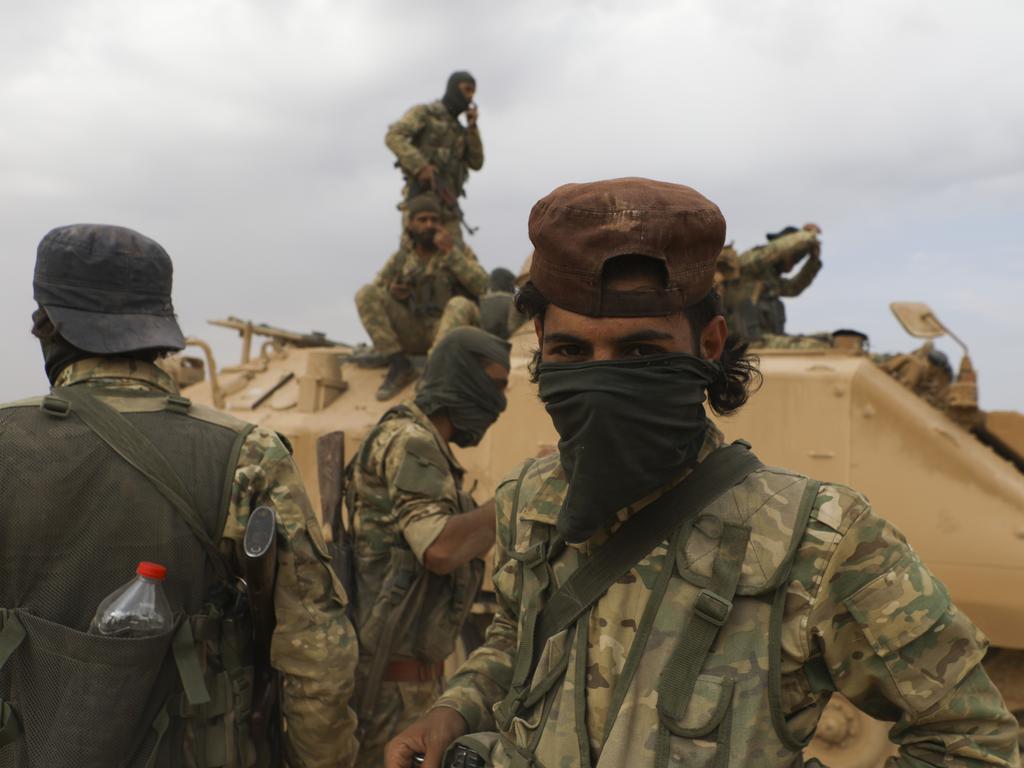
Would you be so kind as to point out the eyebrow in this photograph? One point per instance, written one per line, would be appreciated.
(649, 335)
(564, 337)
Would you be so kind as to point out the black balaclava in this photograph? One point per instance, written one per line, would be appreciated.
(454, 100)
(627, 427)
(454, 380)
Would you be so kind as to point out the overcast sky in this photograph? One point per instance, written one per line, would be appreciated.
(247, 137)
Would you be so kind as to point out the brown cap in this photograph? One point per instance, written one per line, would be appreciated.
(578, 227)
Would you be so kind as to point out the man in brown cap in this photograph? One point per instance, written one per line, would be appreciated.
(664, 598)
(430, 285)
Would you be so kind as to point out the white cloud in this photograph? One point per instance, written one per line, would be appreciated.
(248, 139)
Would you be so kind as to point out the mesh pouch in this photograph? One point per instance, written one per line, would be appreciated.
(84, 701)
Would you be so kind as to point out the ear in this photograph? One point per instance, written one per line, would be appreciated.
(538, 328)
(712, 338)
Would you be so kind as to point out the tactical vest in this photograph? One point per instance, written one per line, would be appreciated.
(75, 520)
(430, 609)
(442, 141)
(674, 704)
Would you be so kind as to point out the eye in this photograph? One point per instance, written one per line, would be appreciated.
(567, 351)
(643, 350)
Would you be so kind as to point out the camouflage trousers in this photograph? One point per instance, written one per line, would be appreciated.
(398, 706)
(394, 328)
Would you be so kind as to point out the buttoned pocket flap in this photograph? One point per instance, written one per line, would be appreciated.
(899, 606)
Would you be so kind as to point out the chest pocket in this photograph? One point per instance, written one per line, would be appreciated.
(421, 471)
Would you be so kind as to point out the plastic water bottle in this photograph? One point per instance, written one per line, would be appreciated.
(138, 609)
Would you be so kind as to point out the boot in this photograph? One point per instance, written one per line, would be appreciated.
(400, 374)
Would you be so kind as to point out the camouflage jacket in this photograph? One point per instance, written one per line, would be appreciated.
(838, 601)
(761, 278)
(313, 645)
(428, 133)
(435, 280)
(404, 485)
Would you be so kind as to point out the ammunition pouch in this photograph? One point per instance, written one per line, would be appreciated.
(399, 578)
(446, 606)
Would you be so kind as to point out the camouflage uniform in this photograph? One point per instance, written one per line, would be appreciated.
(313, 646)
(807, 341)
(405, 484)
(924, 371)
(830, 597)
(445, 289)
(754, 303)
(428, 134)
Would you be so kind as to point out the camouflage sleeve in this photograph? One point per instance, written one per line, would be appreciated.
(483, 680)
(462, 263)
(401, 135)
(474, 149)
(314, 646)
(390, 271)
(896, 646)
(794, 286)
(420, 482)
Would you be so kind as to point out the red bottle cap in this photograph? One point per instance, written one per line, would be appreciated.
(152, 571)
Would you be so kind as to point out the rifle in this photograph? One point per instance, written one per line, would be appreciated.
(259, 569)
(440, 186)
(330, 458)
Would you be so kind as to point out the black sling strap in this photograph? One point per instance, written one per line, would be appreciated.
(135, 448)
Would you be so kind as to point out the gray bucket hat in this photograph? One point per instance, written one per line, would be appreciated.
(107, 289)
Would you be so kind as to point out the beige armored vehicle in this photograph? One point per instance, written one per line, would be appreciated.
(832, 412)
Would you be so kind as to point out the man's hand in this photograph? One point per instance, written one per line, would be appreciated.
(443, 240)
(471, 114)
(429, 736)
(426, 175)
(399, 290)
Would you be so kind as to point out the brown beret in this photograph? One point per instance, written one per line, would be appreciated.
(578, 227)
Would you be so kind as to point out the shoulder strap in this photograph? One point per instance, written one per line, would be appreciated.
(135, 448)
(719, 472)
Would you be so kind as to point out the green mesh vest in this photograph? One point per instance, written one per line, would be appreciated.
(75, 520)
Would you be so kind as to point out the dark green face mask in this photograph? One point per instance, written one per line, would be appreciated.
(454, 380)
(627, 427)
